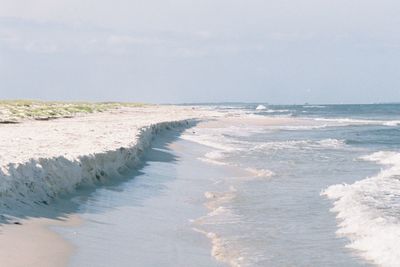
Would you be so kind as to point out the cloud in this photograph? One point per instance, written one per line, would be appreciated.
(41, 47)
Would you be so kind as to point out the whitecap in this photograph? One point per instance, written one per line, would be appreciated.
(261, 107)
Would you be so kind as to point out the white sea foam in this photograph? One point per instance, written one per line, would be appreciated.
(212, 161)
(331, 143)
(221, 249)
(261, 107)
(348, 121)
(301, 127)
(276, 110)
(214, 155)
(368, 211)
(314, 106)
(218, 139)
(41, 180)
(213, 141)
(391, 123)
(384, 157)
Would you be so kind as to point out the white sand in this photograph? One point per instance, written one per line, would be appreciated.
(94, 133)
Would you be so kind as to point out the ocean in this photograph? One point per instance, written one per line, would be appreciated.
(305, 185)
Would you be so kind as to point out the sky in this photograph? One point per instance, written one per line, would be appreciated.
(176, 51)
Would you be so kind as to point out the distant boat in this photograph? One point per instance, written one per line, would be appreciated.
(260, 107)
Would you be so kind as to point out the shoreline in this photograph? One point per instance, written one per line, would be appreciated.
(145, 201)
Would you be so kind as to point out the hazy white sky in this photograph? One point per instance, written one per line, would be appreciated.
(286, 51)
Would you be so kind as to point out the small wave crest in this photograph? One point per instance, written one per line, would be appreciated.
(314, 106)
(304, 144)
(261, 107)
(276, 110)
(348, 122)
(212, 225)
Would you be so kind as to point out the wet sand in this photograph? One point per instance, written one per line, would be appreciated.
(31, 242)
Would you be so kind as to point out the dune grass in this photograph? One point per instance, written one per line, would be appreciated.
(14, 111)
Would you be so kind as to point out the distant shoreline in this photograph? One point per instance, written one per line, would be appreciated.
(16, 111)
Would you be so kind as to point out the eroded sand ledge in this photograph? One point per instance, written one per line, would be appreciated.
(41, 160)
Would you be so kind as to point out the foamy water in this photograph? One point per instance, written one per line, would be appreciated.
(369, 210)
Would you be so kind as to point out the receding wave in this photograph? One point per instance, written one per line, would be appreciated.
(260, 172)
(296, 144)
(368, 211)
(210, 141)
(223, 248)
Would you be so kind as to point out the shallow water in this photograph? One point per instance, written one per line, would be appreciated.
(278, 218)
(145, 220)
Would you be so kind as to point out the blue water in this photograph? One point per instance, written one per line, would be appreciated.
(321, 188)
(357, 111)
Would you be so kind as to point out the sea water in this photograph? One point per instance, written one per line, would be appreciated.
(341, 161)
(324, 191)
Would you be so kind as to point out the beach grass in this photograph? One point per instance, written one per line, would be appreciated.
(14, 111)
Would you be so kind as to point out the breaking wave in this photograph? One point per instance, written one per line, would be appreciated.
(368, 211)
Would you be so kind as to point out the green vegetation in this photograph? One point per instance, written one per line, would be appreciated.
(14, 111)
